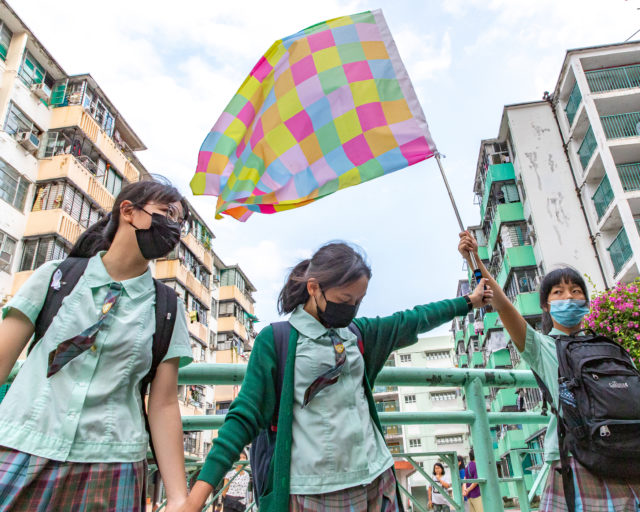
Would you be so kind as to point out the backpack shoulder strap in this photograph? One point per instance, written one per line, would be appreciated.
(63, 280)
(166, 310)
(281, 334)
(355, 330)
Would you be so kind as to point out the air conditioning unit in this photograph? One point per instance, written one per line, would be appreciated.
(28, 140)
(41, 90)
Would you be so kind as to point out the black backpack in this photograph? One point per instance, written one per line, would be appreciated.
(65, 279)
(598, 409)
(263, 446)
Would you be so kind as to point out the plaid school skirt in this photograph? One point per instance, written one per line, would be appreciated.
(593, 494)
(379, 495)
(36, 484)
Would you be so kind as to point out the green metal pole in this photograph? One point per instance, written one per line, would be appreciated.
(516, 463)
(213, 422)
(483, 447)
(232, 374)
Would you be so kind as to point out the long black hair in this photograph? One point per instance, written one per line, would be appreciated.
(562, 275)
(99, 236)
(334, 264)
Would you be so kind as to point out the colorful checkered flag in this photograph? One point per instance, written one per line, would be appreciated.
(324, 109)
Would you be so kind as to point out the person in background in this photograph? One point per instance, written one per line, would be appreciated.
(461, 469)
(436, 500)
(472, 491)
(235, 495)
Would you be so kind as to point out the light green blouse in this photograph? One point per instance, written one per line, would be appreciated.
(90, 410)
(541, 355)
(335, 443)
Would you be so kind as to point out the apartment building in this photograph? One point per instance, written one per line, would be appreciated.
(65, 154)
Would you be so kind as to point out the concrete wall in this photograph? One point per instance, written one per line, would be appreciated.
(550, 201)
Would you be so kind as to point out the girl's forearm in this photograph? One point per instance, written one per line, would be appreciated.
(198, 496)
(512, 320)
(166, 431)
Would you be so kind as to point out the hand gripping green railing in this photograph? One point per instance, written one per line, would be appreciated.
(471, 380)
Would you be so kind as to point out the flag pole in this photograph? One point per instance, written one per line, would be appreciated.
(476, 269)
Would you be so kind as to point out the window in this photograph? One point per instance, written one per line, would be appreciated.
(410, 399)
(17, 121)
(438, 354)
(415, 443)
(214, 308)
(31, 72)
(5, 40)
(194, 305)
(450, 439)
(521, 281)
(443, 395)
(189, 260)
(37, 251)
(405, 358)
(7, 250)
(112, 181)
(13, 186)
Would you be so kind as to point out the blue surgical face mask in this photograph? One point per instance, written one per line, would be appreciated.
(569, 312)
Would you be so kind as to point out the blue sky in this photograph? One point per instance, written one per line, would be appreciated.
(170, 68)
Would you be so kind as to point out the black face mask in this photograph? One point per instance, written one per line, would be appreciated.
(159, 239)
(336, 314)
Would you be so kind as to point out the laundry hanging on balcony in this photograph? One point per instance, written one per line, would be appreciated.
(324, 109)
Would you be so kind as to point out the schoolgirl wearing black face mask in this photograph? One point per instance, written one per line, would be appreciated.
(89, 365)
(330, 452)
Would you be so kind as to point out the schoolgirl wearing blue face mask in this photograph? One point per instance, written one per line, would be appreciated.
(564, 302)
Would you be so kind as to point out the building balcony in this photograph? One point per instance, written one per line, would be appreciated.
(392, 432)
(612, 79)
(620, 126)
(528, 304)
(75, 115)
(463, 361)
(233, 292)
(47, 222)
(385, 392)
(515, 257)
(231, 324)
(68, 167)
(629, 176)
(198, 331)
(575, 98)
(490, 320)
(499, 359)
(587, 148)
(495, 174)
(602, 197)
(509, 212)
(199, 251)
(173, 269)
(477, 360)
(505, 400)
(459, 336)
(620, 251)
(387, 406)
(511, 440)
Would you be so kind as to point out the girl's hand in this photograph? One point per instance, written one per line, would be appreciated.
(482, 295)
(467, 245)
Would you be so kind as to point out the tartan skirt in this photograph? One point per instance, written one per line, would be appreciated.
(593, 494)
(35, 484)
(379, 495)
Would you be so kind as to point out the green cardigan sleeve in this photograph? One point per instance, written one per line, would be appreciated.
(249, 413)
(381, 336)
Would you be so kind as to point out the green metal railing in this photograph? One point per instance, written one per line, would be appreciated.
(476, 416)
(611, 79)
(587, 148)
(603, 196)
(573, 103)
(620, 250)
(620, 126)
(629, 176)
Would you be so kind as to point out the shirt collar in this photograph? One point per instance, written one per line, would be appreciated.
(308, 326)
(97, 276)
(558, 332)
